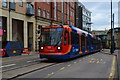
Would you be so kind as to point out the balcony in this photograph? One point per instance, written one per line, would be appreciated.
(30, 11)
(12, 6)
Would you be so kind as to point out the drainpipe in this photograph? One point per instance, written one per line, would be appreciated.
(9, 20)
(63, 12)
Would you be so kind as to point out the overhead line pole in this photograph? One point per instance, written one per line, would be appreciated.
(113, 33)
(111, 49)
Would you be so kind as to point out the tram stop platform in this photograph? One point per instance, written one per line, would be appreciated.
(117, 54)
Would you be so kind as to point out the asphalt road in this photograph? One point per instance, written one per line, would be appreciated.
(96, 65)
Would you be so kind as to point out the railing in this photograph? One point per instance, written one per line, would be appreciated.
(3, 52)
(30, 11)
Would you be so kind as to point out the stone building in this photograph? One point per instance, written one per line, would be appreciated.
(17, 21)
(102, 34)
(116, 37)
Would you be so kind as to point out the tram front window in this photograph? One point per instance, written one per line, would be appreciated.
(51, 37)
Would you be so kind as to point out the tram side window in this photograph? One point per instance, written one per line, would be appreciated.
(92, 41)
(83, 40)
(88, 42)
(74, 38)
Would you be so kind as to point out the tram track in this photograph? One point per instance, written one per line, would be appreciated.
(31, 68)
(17, 67)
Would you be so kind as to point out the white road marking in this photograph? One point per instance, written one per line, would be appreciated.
(62, 68)
(29, 61)
(51, 74)
(7, 65)
(32, 61)
(75, 62)
(69, 65)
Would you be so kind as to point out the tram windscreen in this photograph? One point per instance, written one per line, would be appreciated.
(51, 36)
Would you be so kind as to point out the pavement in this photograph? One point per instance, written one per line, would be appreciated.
(13, 62)
(118, 60)
(116, 53)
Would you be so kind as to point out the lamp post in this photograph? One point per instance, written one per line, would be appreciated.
(112, 29)
(113, 34)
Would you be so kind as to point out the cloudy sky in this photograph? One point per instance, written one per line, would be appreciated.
(101, 14)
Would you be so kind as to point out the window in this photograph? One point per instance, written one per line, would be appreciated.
(55, 10)
(12, 5)
(28, 5)
(39, 12)
(74, 38)
(48, 15)
(4, 3)
(71, 13)
(48, 1)
(12, 1)
(20, 3)
(44, 13)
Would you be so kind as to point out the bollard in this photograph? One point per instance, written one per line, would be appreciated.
(26, 51)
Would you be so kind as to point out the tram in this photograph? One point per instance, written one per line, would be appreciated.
(66, 41)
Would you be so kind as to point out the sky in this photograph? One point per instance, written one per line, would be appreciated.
(101, 14)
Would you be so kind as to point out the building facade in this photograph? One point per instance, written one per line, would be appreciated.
(116, 37)
(102, 34)
(119, 13)
(17, 22)
(53, 13)
(83, 17)
(22, 21)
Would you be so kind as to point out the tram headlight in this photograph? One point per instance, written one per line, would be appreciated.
(41, 48)
(59, 48)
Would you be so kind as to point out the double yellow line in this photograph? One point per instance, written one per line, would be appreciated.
(112, 73)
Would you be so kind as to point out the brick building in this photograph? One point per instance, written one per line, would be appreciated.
(53, 13)
(21, 21)
(17, 22)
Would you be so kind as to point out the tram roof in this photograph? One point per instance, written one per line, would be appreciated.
(79, 31)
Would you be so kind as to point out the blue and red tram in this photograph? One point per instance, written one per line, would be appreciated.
(64, 42)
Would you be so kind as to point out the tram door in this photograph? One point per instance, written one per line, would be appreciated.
(83, 43)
